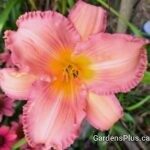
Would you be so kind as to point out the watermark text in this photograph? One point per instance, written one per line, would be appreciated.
(120, 138)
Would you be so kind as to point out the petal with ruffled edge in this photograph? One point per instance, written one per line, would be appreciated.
(118, 62)
(40, 36)
(4, 130)
(103, 111)
(88, 19)
(50, 119)
(16, 84)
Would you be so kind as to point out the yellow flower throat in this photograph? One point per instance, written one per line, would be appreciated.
(70, 71)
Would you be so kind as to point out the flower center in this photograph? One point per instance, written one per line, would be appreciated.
(70, 71)
(2, 140)
(71, 67)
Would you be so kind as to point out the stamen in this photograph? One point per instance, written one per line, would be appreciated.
(72, 71)
(75, 73)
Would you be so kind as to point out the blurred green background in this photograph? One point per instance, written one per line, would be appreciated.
(127, 16)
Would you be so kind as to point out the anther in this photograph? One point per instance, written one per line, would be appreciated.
(71, 71)
(75, 73)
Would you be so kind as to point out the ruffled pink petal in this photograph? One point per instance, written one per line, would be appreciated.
(15, 84)
(88, 19)
(103, 111)
(4, 130)
(40, 36)
(11, 137)
(52, 119)
(118, 61)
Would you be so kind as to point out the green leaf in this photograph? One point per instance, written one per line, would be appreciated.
(70, 3)
(118, 128)
(33, 5)
(64, 6)
(146, 78)
(139, 104)
(19, 144)
(128, 118)
(5, 13)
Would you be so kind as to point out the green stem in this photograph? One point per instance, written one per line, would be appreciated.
(130, 25)
(64, 4)
(19, 144)
(32, 5)
(139, 104)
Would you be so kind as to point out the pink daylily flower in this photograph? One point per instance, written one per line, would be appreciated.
(6, 106)
(7, 138)
(17, 128)
(69, 69)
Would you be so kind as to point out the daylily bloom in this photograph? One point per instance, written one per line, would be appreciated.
(68, 69)
(6, 106)
(7, 138)
(17, 128)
